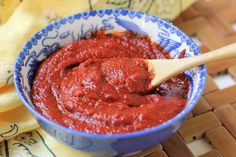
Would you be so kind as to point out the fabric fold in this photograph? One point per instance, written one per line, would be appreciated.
(7, 7)
(9, 98)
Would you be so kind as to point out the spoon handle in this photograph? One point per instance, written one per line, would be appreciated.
(225, 52)
(171, 67)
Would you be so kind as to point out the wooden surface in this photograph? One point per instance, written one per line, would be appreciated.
(213, 120)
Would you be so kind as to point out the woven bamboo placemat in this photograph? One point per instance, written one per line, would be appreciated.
(212, 24)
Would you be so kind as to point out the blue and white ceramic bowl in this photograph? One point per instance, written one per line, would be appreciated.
(72, 28)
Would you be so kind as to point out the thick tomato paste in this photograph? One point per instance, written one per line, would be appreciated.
(100, 85)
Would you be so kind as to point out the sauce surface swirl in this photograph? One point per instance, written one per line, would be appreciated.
(100, 85)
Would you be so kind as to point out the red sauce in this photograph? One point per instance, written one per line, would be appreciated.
(93, 85)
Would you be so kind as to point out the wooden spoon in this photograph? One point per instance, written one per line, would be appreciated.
(164, 69)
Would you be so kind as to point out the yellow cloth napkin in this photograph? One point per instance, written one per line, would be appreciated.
(7, 8)
(20, 134)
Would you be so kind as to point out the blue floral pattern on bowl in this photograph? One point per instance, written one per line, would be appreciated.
(69, 29)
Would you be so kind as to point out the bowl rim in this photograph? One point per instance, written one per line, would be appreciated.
(144, 132)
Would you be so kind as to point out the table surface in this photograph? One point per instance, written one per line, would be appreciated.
(210, 130)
